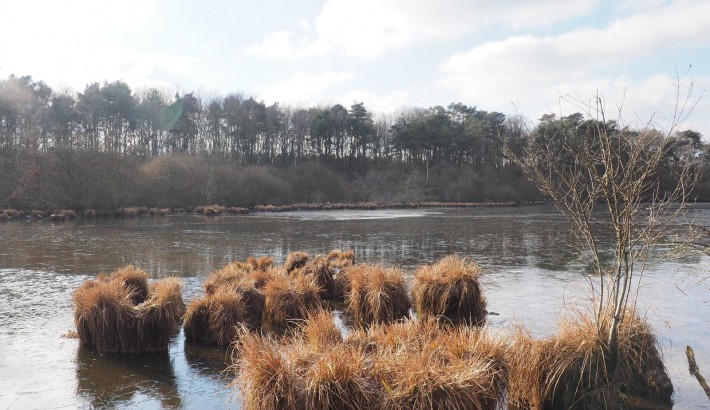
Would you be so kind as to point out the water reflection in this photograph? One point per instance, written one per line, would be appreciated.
(111, 381)
(209, 361)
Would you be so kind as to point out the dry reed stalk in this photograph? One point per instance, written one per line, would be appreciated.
(289, 300)
(376, 294)
(108, 317)
(450, 289)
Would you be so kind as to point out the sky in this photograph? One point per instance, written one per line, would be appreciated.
(516, 57)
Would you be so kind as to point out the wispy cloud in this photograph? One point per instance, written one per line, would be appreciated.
(533, 71)
(302, 87)
(369, 28)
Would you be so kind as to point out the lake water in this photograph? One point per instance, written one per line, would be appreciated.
(530, 275)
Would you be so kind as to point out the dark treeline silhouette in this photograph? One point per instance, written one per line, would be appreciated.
(109, 146)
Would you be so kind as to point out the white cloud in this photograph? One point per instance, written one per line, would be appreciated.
(302, 87)
(76, 42)
(533, 71)
(369, 28)
(386, 103)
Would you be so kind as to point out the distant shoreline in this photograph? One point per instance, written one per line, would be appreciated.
(216, 210)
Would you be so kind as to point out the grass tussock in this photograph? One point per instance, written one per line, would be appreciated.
(412, 365)
(290, 299)
(307, 371)
(324, 270)
(339, 259)
(375, 294)
(112, 316)
(233, 275)
(219, 317)
(450, 289)
(295, 261)
(134, 280)
(577, 369)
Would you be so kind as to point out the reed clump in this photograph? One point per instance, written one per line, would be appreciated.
(577, 369)
(233, 300)
(295, 261)
(218, 318)
(232, 275)
(412, 365)
(289, 300)
(449, 289)
(120, 313)
(312, 369)
(339, 259)
(323, 269)
(375, 294)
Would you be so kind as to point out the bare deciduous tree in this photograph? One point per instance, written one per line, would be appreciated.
(613, 182)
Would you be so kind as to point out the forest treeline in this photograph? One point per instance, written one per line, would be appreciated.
(110, 146)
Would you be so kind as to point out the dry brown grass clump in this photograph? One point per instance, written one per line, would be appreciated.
(409, 365)
(325, 270)
(210, 210)
(338, 259)
(295, 261)
(230, 276)
(112, 315)
(576, 369)
(312, 370)
(129, 212)
(375, 294)
(424, 365)
(262, 263)
(290, 299)
(63, 215)
(235, 210)
(449, 289)
(219, 317)
(10, 214)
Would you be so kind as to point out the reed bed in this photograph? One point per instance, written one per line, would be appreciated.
(426, 367)
(576, 369)
(450, 291)
(375, 294)
(120, 313)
